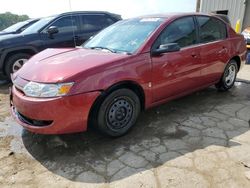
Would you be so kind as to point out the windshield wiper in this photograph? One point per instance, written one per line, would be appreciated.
(103, 48)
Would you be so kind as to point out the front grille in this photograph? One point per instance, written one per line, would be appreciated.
(33, 122)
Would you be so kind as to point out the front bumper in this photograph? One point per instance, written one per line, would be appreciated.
(60, 115)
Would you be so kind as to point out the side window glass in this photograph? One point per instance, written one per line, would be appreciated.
(92, 23)
(181, 31)
(211, 29)
(66, 24)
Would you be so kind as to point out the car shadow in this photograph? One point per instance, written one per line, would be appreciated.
(161, 134)
(4, 87)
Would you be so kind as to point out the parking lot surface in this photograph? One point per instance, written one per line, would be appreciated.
(201, 140)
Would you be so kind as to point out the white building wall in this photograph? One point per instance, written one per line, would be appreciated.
(236, 8)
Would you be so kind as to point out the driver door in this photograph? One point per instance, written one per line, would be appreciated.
(68, 27)
(175, 73)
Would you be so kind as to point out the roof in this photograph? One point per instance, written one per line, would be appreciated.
(89, 12)
(174, 15)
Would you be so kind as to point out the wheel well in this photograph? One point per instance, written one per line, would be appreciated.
(238, 61)
(130, 85)
(124, 84)
(26, 51)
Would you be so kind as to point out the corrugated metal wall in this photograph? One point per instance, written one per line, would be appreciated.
(236, 8)
(246, 22)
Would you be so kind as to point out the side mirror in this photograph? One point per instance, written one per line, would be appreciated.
(165, 48)
(52, 30)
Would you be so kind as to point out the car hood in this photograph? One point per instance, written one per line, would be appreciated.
(58, 65)
(5, 33)
(8, 36)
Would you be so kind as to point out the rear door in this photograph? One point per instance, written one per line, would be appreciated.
(214, 48)
(68, 27)
(92, 24)
(178, 72)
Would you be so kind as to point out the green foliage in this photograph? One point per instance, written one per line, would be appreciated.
(7, 19)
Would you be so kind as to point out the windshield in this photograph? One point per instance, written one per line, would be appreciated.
(38, 25)
(124, 36)
(15, 27)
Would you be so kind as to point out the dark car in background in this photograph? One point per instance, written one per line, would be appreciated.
(60, 31)
(18, 27)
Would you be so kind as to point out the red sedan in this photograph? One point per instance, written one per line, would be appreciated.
(128, 67)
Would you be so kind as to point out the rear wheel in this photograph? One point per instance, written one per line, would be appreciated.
(118, 112)
(229, 76)
(15, 62)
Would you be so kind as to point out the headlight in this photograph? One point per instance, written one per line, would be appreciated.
(33, 89)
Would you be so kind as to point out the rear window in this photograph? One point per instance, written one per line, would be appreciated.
(211, 29)
(92, 23)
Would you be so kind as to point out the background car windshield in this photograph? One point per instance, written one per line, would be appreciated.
(38, 25)
(125, 36)
(15, 27)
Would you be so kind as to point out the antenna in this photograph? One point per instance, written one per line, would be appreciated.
(73, 31)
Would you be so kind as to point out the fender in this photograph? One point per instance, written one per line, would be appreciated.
(6, 52)
(135, 70)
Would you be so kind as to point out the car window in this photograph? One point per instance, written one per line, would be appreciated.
(38, 25)
(95, 22)
(27, 25)
(16, 26)
(211, 29)
(66, 24)
(181, 31)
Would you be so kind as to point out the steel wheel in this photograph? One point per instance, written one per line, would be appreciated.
(119, 113)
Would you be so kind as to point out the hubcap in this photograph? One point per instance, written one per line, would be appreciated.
(18, 64)
(119, 114)
(230, 75)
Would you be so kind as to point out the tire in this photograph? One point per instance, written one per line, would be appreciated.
(13, 61)
(229, 76)
(117, 113)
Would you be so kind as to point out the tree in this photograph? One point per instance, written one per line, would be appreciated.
(7, 19)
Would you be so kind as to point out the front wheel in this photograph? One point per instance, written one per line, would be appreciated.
(229, 76)
(118, 112)
(15, 62)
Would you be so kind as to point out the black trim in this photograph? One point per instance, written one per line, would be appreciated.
(197, 29)
(32, 122)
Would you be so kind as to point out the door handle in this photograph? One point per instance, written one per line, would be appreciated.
(223, 50)
(194, 55)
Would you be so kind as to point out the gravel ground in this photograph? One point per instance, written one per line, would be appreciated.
(201, 140)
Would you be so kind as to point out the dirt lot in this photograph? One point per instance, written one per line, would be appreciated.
(201, 140)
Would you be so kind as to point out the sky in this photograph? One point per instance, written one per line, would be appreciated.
(126, 8)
